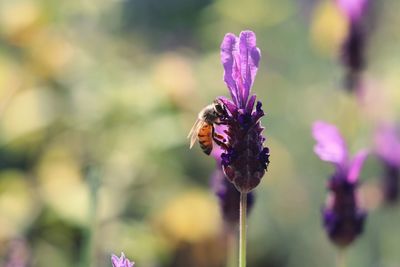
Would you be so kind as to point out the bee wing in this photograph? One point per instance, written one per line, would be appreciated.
(194, 131)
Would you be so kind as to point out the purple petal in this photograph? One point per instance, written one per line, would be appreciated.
(240, 58)
(228, 104)
(352, 8)
(330, 144)
(387, 144)
(258, 113)
(249, 58)
(355, 166)
(115, 260)
(250, 104)
(121, 261)
(229, 47)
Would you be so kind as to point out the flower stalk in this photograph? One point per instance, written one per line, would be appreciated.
(341, 258)
(243, 230)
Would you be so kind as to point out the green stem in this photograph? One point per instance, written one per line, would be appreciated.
(341, 258)
(242, 229)
(93, 178)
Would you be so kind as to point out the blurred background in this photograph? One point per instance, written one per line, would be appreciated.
(97, 98)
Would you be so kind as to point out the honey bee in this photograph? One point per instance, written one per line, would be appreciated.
(203, 129)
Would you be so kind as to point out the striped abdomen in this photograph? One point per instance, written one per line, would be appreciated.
(205, 138)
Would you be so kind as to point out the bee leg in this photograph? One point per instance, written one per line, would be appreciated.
(219, 139)
(220, 143)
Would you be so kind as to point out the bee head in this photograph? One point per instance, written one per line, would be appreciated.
(209, 114)
(213, 112)
(219, 108)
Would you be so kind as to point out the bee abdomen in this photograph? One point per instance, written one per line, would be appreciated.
(205, 138)
(206, 146)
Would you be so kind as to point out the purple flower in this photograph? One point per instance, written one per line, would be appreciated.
(387, 148)
(353, 9)
(343, 218)
(121, 261)
(244, 159)
(18, 254)
(353, 55)
(229, 198)
(353, 47)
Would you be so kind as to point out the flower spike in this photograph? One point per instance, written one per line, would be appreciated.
(353, 50)
(387, 148)
(342, 217)
(244, 159)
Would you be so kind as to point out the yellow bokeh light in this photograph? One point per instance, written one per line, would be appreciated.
(61, 185)
(25, 113)
(49, 53)
(17, 208)
(328, 29)
(19, 20)
(165, 77)
(256, 12)
(191, 217)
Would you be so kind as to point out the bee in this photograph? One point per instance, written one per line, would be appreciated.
(203, 129)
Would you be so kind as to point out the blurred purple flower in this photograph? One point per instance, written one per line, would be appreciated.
(18, 254)
(353, 9)
(244, 159)
(229, 198)
(353, 47)
(387, 148)
(343, 218)
(121, 261)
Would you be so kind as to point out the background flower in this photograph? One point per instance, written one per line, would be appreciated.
(229, 197)
(342, 216)
(121, 261)
(387, 148)
(353, 50)
(354, 9)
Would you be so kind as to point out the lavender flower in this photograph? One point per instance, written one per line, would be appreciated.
(18, 254)
(121, 261)
(229, 198)
(343, 218)
(353, 48)
(353, 9)
(387, 147)
(245, 159)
